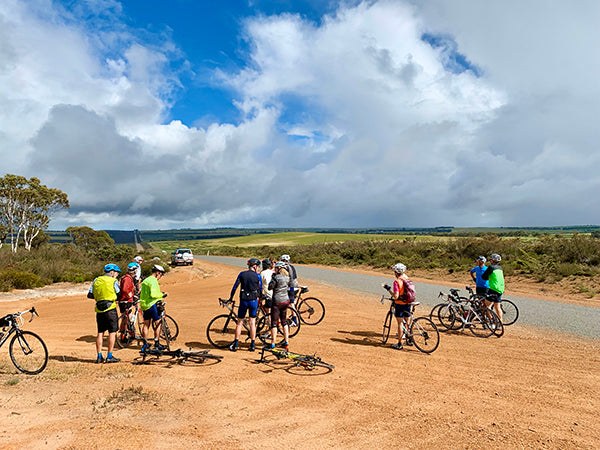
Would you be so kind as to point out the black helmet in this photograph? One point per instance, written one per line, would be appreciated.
(253, 262)
(266, 263)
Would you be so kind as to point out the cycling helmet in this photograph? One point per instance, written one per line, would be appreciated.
(496, 257)
(132, 267)
(158, 268)
(285, 258)
(138, 259)
(109, 267)
(266, 263)
(399, 268)
(481, 258)
(280, 264)
(253, 262)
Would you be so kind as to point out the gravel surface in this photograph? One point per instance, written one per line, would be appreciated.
(573, 319)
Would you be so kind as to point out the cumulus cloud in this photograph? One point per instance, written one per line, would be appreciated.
(385, 113)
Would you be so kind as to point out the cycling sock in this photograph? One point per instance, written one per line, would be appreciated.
(109, 355)
(99, 355)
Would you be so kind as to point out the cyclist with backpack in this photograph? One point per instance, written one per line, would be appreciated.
(403, 293)
(251, 288)
(495, 275)
(128, 291)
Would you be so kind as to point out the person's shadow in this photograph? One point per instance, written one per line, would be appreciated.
(368, 338)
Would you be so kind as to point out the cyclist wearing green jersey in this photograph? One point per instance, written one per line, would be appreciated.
(150, 294)
(495, 276)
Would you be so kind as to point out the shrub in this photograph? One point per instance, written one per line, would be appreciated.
(15, 279)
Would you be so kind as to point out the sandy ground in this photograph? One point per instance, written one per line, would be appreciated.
(529, 389)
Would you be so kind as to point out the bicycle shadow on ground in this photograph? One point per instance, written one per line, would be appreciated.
(88, 338)
(271, 363)
(199, 345)
(369, 338)
(65, 358)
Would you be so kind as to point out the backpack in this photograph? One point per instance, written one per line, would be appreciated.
(409, 294)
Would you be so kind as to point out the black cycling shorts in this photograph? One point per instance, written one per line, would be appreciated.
(107, 321)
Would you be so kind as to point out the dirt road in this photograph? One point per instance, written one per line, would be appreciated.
(529, 389)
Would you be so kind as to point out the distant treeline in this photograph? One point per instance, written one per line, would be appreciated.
(127, 237)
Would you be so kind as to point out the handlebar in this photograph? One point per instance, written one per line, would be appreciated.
(225, 301)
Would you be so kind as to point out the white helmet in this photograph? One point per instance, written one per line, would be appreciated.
(285, 258)
(158, 268)
(280, 264)
(138, 259)
(495, 257)
(399, 268)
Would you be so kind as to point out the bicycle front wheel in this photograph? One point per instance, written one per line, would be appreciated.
(293, 320)
(221, 331)
(447, 317)
(387, 326)
(263, 331)
(28, 352)
(480, 322)
(125, 333)
(310, 362)
(425, 335)
(170, 325)
(311, 310)
(510, 312)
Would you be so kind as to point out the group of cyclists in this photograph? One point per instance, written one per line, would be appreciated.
(108, 289)
(275, 283)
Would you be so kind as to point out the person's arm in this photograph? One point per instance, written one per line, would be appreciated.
(473, 274)
(90, 293)
(486, 275)
(235, 285)
(273, 283)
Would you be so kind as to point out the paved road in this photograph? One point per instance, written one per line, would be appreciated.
(579, 320)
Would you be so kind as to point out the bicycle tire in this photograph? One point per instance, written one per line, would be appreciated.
(221, 331)
(311, 310)
(510, 312)
(387, 326)
(433, 314)
(126, 336)
(478, 324)
(173, 328)
(293, 320)
(263, 331)
(30, 355)
(447, 317)
(200, 356)
(425, 335)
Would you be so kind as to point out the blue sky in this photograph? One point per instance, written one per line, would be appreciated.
(197, 113)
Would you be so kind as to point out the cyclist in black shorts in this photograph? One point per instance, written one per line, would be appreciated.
(105, 290)
(250, 284)
(280, 285)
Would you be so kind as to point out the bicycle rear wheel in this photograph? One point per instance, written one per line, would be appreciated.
(310, 362)
(425, 335)
(221, 331)
(293, 320)
(28, 352)
(263, 331)
(433, 315)
(510, 312)
(311, 310)
(447, 317)
(387, 326)
(126, 335)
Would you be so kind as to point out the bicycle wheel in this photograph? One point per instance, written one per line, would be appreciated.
(310, 362)
(480, 322)
(126, 335)
(447, 317)
(510, 312)
(200, 357)
(172, 326)
(387, 326)
(311, 310)
(425, 335)
(28, 352)
(433, 315)
(293, 320)
(221, 331)
(263, 331)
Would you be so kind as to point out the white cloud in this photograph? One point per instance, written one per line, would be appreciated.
(356, 121)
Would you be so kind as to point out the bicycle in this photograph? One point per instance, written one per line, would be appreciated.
(263, 317)
(221, 329)
(169, 330)
(27, 350)
(309, 362)
(422, 331)
(127, 335)
(510, 312)
(181, 356)
(473, 314)
(310, 309)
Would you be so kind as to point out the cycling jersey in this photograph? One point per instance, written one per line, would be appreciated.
(495, 275)
(127, 285)
(478, 271)
(150, 293)
(398, 288)
(105, 289)
(250, 284)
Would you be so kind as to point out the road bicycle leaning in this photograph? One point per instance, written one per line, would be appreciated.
(310, 309)
(27, 350)
(459, 313)
(132, 319)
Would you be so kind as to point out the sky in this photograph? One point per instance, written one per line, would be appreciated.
(156, 114)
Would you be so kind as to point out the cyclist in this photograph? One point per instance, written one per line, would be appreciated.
(481, 285)
(401, 307)
(138, 273)
(251, 287)
(280, 286)
(105, 290)
(149, 296)
(266, 274)
(495, 275)
(294, 283)
(127, 294)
